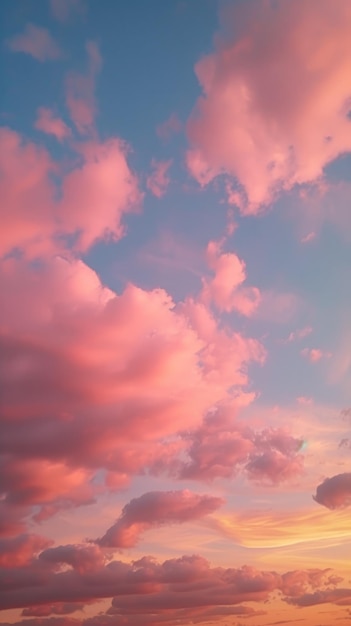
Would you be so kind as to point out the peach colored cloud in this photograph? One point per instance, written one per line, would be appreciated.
(225, 288)
(276, 97)
(156, 508)
(158, 181)
(334, 492)
(37, 42)
(80, 88)
(51, 125)
(38, 215)
(269, 528)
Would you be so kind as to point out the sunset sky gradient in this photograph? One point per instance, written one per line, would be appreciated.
(175, 262)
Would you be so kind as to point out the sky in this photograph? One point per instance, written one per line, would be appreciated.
(175, 263)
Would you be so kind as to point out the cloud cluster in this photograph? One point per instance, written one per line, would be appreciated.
(276, 98)
(155, 509)
(75, 574)
(225, 445)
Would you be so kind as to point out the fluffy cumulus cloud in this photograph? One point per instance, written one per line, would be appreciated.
(37, 42)
(225, 445)
(225, 289)
(154, 509)
(90, 383)
(40, 216)
(66, 575)
(276, 98)
(335, 492)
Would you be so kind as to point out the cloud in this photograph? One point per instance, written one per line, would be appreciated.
(224, 445)
(62, 10)
(147, 586)
(334, 596)
(19, 551)
(275, 103)
(59, 608)
(51, 125)
(82, 558)
(314, 354)
(268, 528)
(93, 385)
(37, 42)
(309, 237)
(225, 288)
(169, 127)
(334, 492)
(155, 509)
(158, 181)
(41, 216)
(80, 88)
(300, 333)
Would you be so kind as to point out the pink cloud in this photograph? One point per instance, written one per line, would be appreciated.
(299, 334)
(80, 88)
(155, 509)
(314, 354)
(309, 237)
(324, 596)
(225, 289)
(59, 608)
(170, 127)
(37, 42)
(304, 401)
(146, 586)
(158, 181)
(278, 307)
(51, 125)
(38, 218)
(91, 384)
(82, 558)
(20, 550)
(63, 9)
(224, 446)
(334, 492)
(274, 109)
